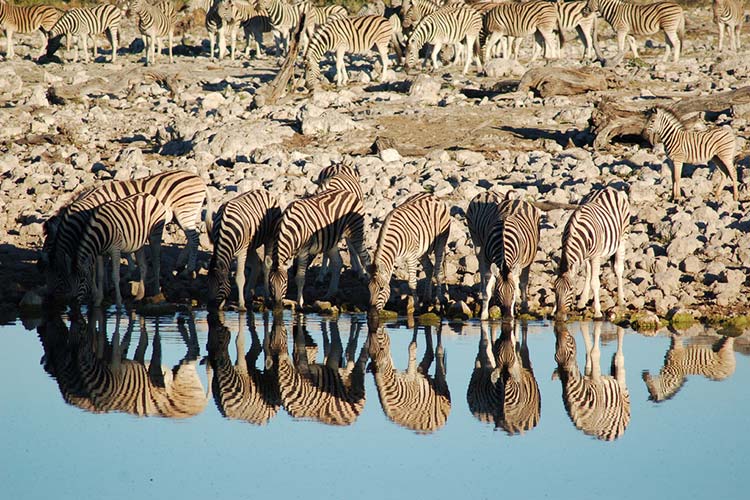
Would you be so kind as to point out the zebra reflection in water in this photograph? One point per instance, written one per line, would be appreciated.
(327, 392)
(714, 359)
(411, 398)
(597, 404)
(242, 391)
(503, 388)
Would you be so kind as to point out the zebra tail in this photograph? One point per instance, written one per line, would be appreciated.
(560, 35)
(209, 218)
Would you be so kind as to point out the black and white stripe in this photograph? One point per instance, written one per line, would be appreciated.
(505, 233)
(83, 23)
(512, 21)
(629, 19)
(213, 23)
(570, 17)
(594, 232)
(154, 23)
(717, 145)
(26, 19)
(729, 15)
(284, 18)
(236, 13)
(237, 230)
(315, 17)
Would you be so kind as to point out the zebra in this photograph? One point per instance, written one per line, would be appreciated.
(213, 23)
(412, 399)
(514, 21)
(284, 18)
(26, 19)
(325, 392)
(315, 17)
(414, 11)
(503, 389)
(154, 23)
(393, 14)
(347, 34)
(181, 192)
(448, 25)
(240, 390)
(234, 13)
(505, 233)
(570, 17)
(717, 145)
(595, 231)
(314, 225)
(237, 230)
(83, 23)
(112, 228)
(715, 362)
(629, 19)
(417, 227)
(598, 405)
(729, 14)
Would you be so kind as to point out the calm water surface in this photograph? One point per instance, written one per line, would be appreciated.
(162, 407)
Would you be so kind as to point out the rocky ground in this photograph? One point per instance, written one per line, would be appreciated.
(68, 126)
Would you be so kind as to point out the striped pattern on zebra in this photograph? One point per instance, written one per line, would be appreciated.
(512, 21)
(349, 34)
(237, 230)
(715, 361)
(570, 17)
(83, 23)
(393, 14)
(284, 19)
(26, 19)
(594, 232)
(213, 23)
(629, 19)
(154, 23)
(448, 25)
(315, 17)
(236, 13)
(597, 404)
(325, 392)
(505, 233)
(241, 391)
(114, 227)
(414, 229)
(717, 145)
(412, 398)
(314, 225)
(415, 10)
(729, 15)
(503, 389)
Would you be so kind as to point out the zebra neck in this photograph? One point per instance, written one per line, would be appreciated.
(609, 9)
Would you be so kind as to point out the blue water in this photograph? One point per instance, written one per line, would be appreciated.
(693, 445)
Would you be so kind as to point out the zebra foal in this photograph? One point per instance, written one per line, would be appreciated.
(594, 231)
(82, 23)
(154, 23)
(414, 229)
(717, 145)
(26, 19)
(237, 230)
(729, 15)
(505, 233)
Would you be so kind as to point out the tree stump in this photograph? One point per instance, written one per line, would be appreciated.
(549, 81)
(273, 91)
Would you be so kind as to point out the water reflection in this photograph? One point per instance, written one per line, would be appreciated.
(503, 389)
(706, 356)
(241, 390)
(597, 404)
(411, 398)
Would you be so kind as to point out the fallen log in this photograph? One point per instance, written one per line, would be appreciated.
(275, 89)
(551, 80)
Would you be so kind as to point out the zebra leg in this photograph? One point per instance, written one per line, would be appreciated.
(154, 245)
(93, 47)
(222, 43)
(440, 243)
(737, 34)
(171, 42)
(233, 41)
(324, 264)
(266, 269)
(522, 289)
(721, 36)
(383, 50)
(341, 76)
(435, 51)
(302, 260)
(115, 254)
(674, 40)
(584, 299)
(488, 293)
(113, 41)
(619, 359)
(595, 284)
(489, 44)
(633, 47)
(335, 258)
(255, 266)
(411, 269)
(621, 36)
(469, 53)
(676, 174)
(140, 256)
(9, 54)
(239, 278)
(619, 270)
(97, 282)
(354, 259)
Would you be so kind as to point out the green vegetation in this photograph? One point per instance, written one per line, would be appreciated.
(645, 321)
(682, 321)
(429, 319)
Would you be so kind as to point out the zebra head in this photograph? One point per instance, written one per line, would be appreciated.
(565, 350)
(652, 131)
(82, 277)
(591, 7)
(505, 289)
(59, 277)
(380, 287)
(218, 285)
(564, 296)
(226, 10)
(277, 282)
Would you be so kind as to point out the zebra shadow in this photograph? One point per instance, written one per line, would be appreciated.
(572, 136)
(412, 398)
(503, 389)
(332, 392)
(241, 391)
(705, 356)
(96, 375)
(598, 405)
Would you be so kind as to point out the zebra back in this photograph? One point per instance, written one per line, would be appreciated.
(728, 12)
(88, 21)
(416, 10)
(282, 15)
(154, 20)
(448, 25)
(27, 19)
(639, 19)
(339, 176)
(522, 19)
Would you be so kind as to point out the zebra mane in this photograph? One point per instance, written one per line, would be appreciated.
(669, 116)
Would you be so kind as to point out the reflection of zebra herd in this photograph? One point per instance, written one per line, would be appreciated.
(96, 374)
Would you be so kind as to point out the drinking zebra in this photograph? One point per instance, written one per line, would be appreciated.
(414, 229)
(729, 14)
(597, 404)
(505, 233)
(717, 145)
(236, 13)
(154, 23)
(350, 34)
(237, 230)
(594, 231)
(507, 22)
(629, 19)
(83, 23)
(715, 361)
(26, 19)
(314, 225)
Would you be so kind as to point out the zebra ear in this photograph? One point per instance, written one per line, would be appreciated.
(651, 111)
(556, 374)
(494, 269)
(268, 261)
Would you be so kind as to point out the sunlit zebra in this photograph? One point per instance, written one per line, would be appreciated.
(26, 19)
(82, 23)
(729, 15)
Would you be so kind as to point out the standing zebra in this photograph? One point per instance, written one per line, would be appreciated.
(715, 362)
(415, 10)
(505, 233)
(717, 145)
(315, 17)
(414, 229)
(348, 34)
(597, 404)
(629, 19)
(570, 17)
(412, 399)
(284, 18)
(154, 23)
(213, 23)
(26, 19)
(236, 13)
(594, 231)
(512, 21)
(83, 23)
(729, 14)
(314, 225)
(449, 25)
(237, 230)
